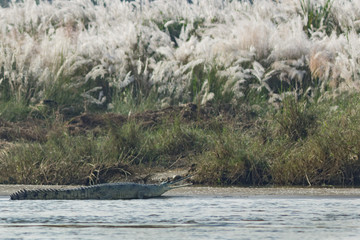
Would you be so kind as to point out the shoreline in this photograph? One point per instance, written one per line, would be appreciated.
(195, 191)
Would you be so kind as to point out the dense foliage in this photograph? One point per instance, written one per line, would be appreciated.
(287, 73)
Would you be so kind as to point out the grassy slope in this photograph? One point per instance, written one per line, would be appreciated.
(239, 62)
(299, 144)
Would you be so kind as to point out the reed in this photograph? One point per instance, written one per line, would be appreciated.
(97, 55)
(289, 64)
(304, 144)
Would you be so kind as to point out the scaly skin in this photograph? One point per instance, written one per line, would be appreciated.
(101, 191)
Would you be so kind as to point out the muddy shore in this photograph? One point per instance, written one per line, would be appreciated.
(6, 190)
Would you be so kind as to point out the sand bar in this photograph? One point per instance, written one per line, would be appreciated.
(6, 190)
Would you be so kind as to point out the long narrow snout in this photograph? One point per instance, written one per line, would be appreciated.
(173, 184)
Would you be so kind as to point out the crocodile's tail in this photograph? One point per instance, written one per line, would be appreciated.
(46, 194)
(19, 195)
(36, 194)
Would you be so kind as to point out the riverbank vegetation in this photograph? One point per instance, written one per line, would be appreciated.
(242, 93)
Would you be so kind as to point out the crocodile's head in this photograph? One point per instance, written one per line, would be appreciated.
(158, 190)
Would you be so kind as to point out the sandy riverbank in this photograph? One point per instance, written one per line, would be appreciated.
(6, 190)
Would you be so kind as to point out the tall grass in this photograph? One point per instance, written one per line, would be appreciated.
(288, 61)
(300, 144)
(318, 16)
(98, 156)
(314, 146)
(97, 56)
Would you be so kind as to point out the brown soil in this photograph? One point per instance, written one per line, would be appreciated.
(30, 130)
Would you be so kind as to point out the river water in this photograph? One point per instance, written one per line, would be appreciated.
(193, 213)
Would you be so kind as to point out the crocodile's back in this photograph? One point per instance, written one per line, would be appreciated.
(101, 191)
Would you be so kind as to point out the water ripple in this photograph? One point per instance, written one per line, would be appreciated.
(180, 218)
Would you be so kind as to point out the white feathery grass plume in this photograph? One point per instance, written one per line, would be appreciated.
(92, 100)
(124, 83)
(289, 41)
(258, 71)
(119, 42)
(347, 14)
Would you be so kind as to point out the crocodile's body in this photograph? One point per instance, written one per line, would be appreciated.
(101, 191)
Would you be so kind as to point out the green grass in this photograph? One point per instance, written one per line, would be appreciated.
(318, 17)
(14, 111)
(242, 140)
(84, 159)
(295, 119)
(302, 143)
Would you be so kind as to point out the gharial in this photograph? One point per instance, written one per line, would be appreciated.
(121, 190)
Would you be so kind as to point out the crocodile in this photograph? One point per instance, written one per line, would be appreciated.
(106, 191)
